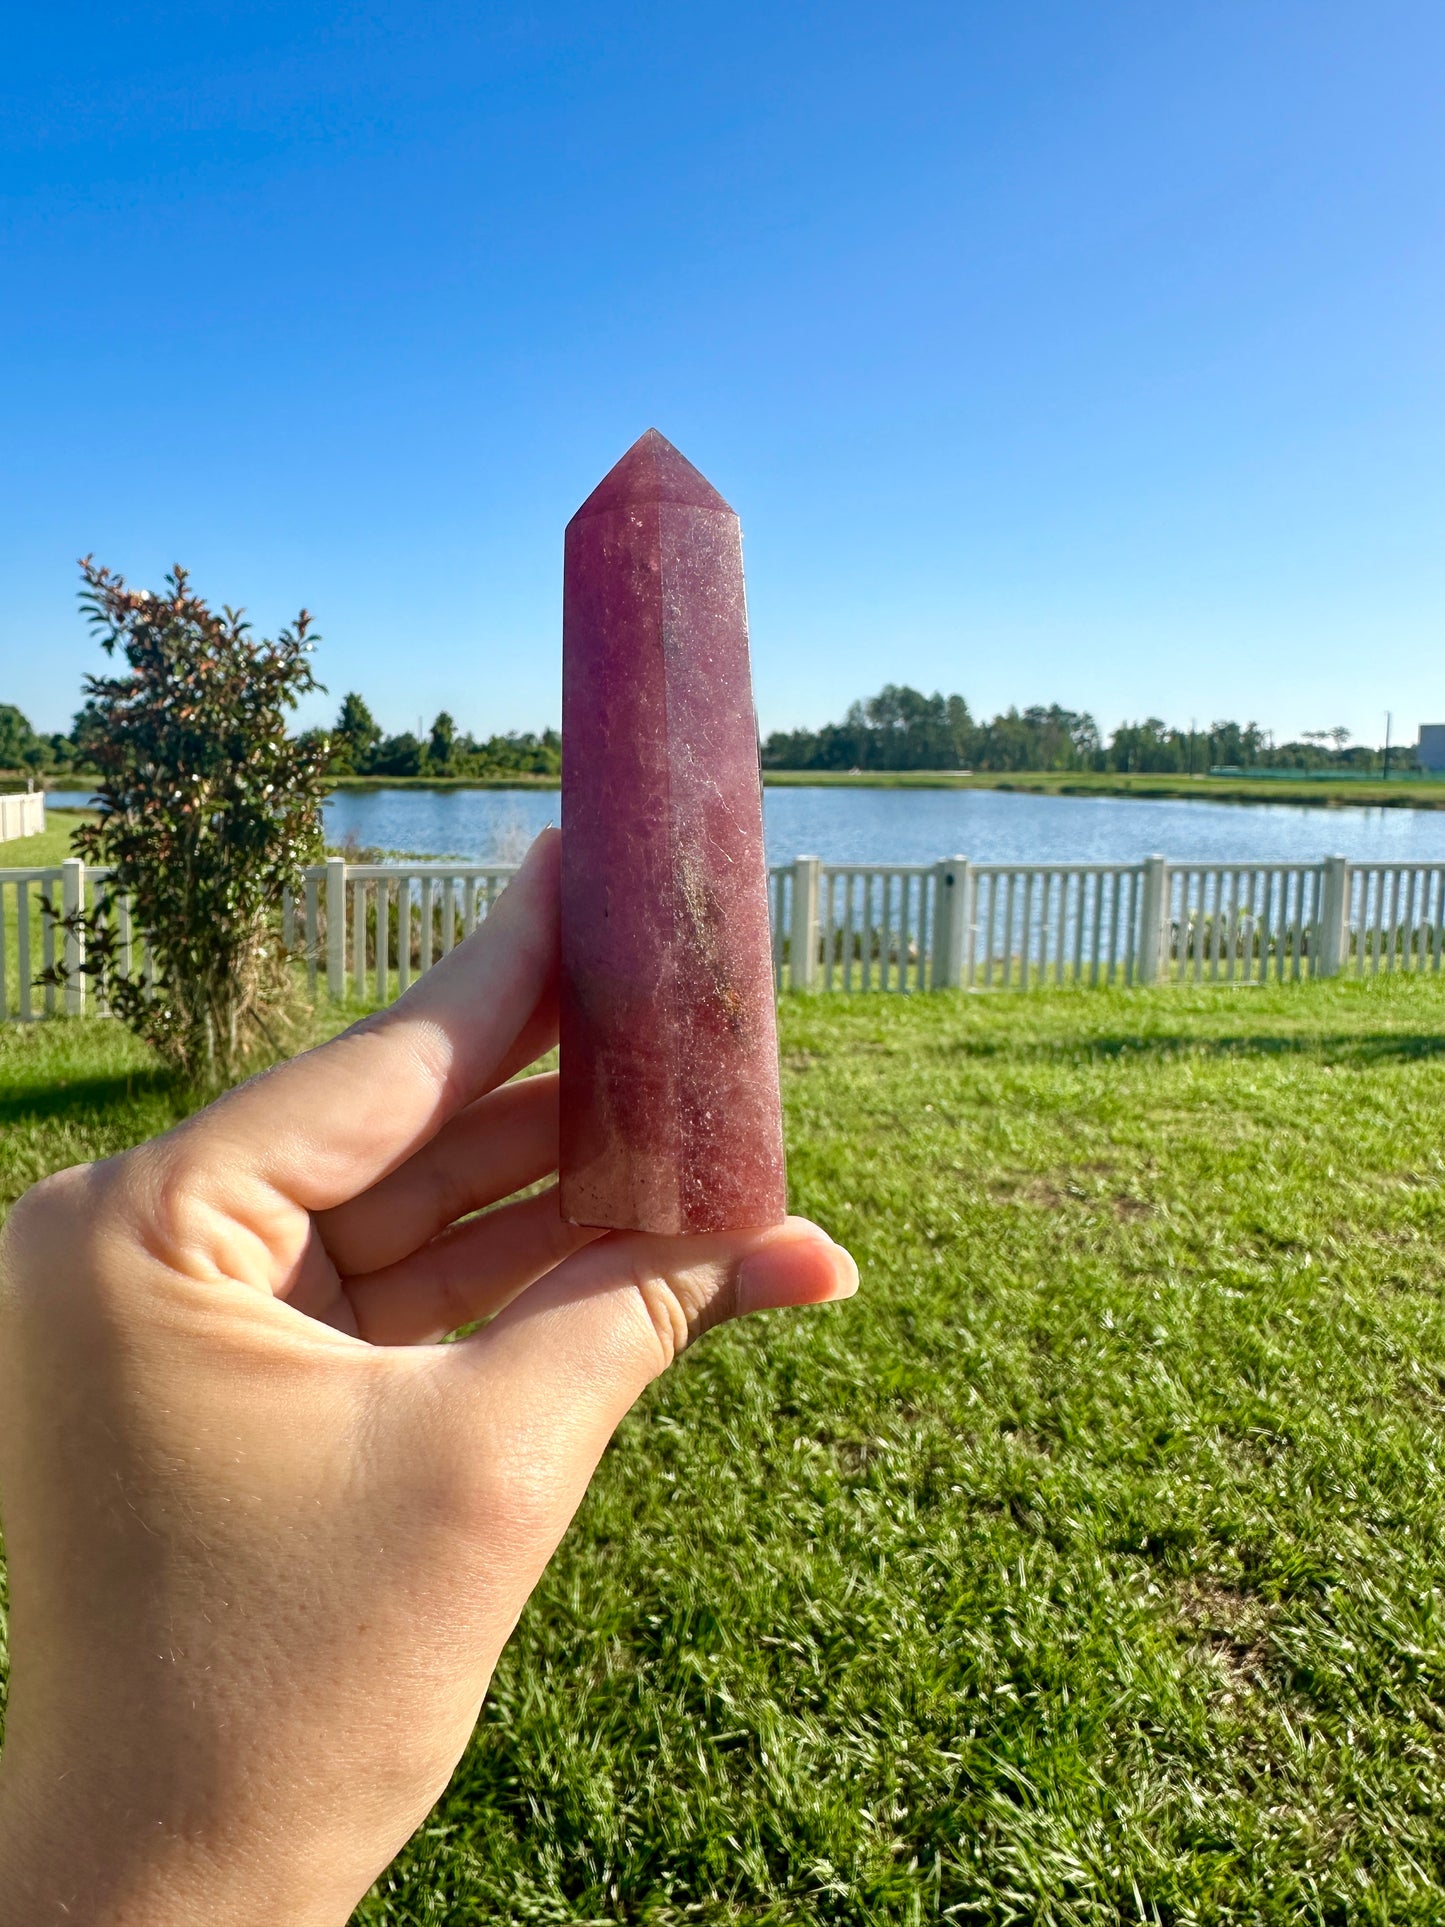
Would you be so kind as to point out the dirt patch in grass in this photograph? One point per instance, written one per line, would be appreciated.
(1127, 1209)
(1230, 1624)
(1069, 1189)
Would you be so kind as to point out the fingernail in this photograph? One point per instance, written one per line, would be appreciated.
(528, 855)
(779, 1275)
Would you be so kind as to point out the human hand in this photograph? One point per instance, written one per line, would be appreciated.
(266, 1541)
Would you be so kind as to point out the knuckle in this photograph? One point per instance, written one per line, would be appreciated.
(450, 1190)
(47, 1208)
(161, 1203)
(663, 1318)
(679, 1308)
(83, 1230)
(171, 1203)
(45, 1231)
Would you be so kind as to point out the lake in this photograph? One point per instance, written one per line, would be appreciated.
(917, 826)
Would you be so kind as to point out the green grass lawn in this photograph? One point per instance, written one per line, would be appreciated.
(1088, 1566)
(51, 846)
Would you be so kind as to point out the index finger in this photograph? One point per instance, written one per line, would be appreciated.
(328, 1123)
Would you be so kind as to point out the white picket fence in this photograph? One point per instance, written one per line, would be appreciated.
(1002, 925)
(36, 908)
(423, 909)
(22, 813)
(366, 930)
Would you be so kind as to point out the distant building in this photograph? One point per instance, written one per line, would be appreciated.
(1431, 752)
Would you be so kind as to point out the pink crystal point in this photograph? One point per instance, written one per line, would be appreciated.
(670, 1110)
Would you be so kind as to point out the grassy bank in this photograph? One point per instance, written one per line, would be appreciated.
(1326, 793)
(1323, 794)
(1089, 1566)
(444, 782)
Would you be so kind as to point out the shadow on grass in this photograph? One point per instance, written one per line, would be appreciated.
(1374, 1047)
(83, 1096)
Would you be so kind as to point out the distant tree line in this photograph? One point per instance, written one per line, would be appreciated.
(24, 749)
(898, 729)
(901, 728)
(355, 746)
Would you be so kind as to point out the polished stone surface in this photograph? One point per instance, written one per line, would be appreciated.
(670, 1110)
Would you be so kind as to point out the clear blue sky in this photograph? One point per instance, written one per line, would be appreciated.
(1048, 351)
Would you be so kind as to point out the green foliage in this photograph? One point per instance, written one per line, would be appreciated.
(355, 737)
(442, 745)
(1086, 1567)
(207, 810)
(358, 748)
(518, 753)
(902, 729)
(18, 741)
(22, 748)
(402, 755)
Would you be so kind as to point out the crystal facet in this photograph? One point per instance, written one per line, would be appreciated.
(670, 1111)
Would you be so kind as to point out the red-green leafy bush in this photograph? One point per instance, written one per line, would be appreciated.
(208, 809)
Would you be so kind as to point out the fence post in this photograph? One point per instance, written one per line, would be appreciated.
(336, 927)
(950, 898)
(803, 938)
(1329, 958)
(72, 906)
(1152, 910)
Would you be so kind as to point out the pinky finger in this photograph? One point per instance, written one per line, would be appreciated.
(470, 1271)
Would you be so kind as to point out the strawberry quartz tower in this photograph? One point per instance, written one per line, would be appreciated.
(670, 1111)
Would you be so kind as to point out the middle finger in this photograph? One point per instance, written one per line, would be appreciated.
(494, 1147)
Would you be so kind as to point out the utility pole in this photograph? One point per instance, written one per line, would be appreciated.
(1386, 777)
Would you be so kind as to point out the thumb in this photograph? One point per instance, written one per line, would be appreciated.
(563, 1363)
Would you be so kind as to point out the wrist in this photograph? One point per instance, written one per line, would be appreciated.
(72, 1851)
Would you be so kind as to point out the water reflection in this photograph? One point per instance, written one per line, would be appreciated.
(918, 826)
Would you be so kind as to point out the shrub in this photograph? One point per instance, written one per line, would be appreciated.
(207, 810)
(403, 755)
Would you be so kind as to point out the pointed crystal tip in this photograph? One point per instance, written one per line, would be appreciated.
(652, 470)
